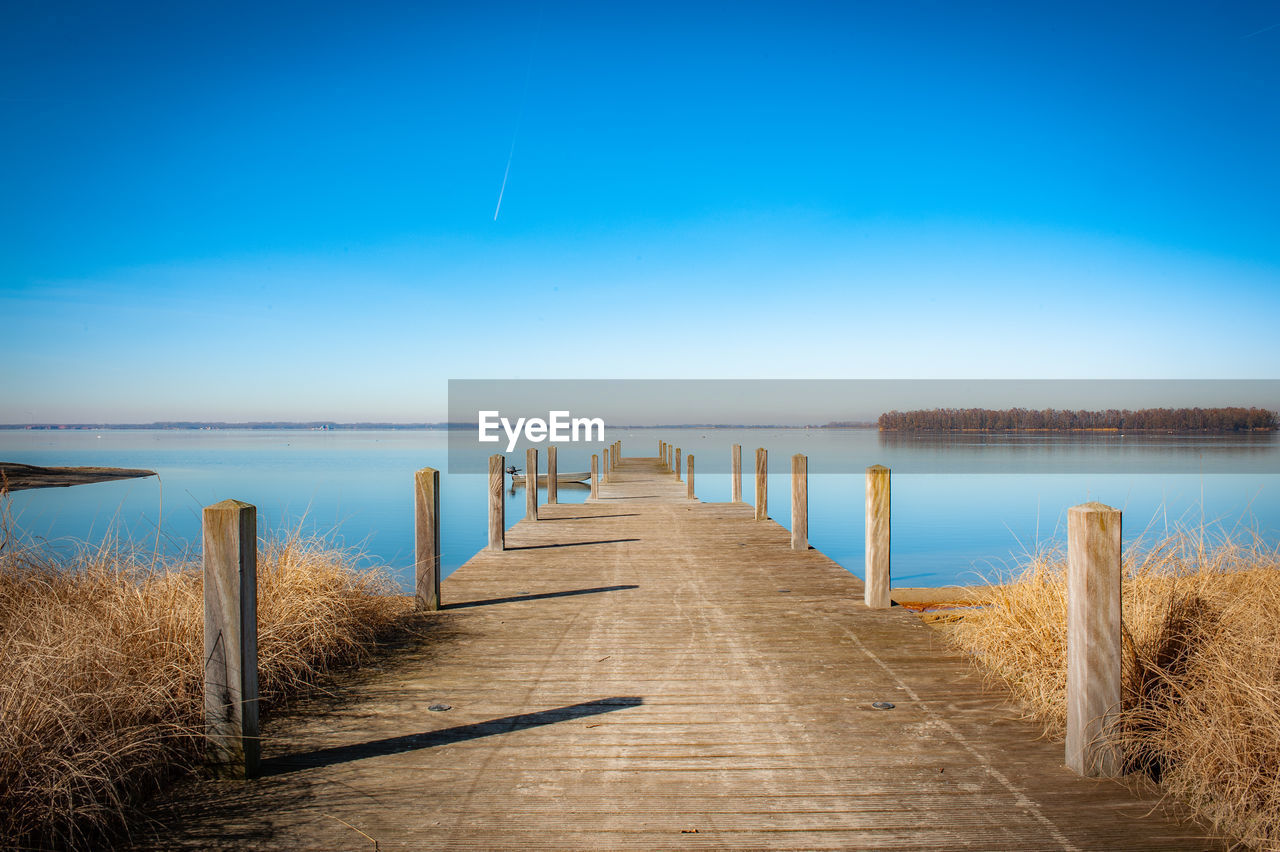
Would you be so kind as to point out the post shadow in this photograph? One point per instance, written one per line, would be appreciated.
(445, 736)
(538, 597)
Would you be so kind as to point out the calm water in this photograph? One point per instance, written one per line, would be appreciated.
(965, 509)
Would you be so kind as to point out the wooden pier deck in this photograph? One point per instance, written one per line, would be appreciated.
(648, 672)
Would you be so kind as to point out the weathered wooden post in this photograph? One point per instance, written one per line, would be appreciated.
(595, 475)
(426, 538)
(1093, 638)
(876, 587)
(497, 507)
(762, 484)
(735, 474)
(619, 449)
(799, 502)
(531, 484)
(662, 453)
(230, 532)
(669, 451)
(553, 489)
(605, 465)
(677, 464)
(689, 462)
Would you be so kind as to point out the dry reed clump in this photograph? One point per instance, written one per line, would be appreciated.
(1201, 669)
(101, 670)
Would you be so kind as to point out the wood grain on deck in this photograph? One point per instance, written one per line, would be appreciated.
(648, 672)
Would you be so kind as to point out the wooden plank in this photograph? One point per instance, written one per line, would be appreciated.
(426, 538)
(1093, 637)
(230, 535)
(877, 537)
(19, 477)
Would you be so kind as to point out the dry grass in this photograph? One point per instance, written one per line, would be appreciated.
(100, 670)
(1201, 670)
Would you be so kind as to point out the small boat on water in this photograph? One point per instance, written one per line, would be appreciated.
(518, 478)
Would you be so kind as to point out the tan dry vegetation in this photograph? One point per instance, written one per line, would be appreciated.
(1201, 669)
(101, 670)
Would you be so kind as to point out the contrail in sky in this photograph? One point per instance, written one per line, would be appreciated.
(504, 174)
(524, 96)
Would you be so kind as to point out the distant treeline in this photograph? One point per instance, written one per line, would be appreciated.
(1233, 419)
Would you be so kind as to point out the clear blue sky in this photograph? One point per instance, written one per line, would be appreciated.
(286, 210)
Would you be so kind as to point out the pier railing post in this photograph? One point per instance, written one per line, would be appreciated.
(531, 484)
(762, 484)
(497, 507)
(677, 464)
(876, 586)
(1093, 638)
(230, 533)
(689, 462)
(799, 502)
(735, 474)
(595, 475)
(426, 539)
(553, 491)
(669, 463)
(604, 464)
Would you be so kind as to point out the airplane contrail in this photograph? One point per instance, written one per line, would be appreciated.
(504, 178)
(524, 96)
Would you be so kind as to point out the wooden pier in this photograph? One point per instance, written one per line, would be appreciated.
(647, 671)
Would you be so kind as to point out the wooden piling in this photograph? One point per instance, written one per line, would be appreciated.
(230, 533)
(605, 464)
(531, 484)
(762, 484)
(595, 475)
(669, 462)
(677, 464)
(735, 474)
(799, 502)
(689, 462)
(876, 581)
(553, 491)
(426, 539)
(497, 507)
(1093, 638)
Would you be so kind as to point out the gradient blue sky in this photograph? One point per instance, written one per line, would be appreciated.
(286, 210)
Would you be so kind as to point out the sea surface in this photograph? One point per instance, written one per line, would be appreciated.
(966, 509)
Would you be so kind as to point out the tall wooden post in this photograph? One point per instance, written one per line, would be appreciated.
(497, 506)
(735, 474)
(619, 449)
(230, 532)
(762, 484)
(426, 538)
(1093, 638)
(669, 451)
(799, 502)
(677, 464)
(876, 587)
(689, 462)
(531, 484)
(660, 453)
(595, 476)
(553, 490)
(605, 464)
